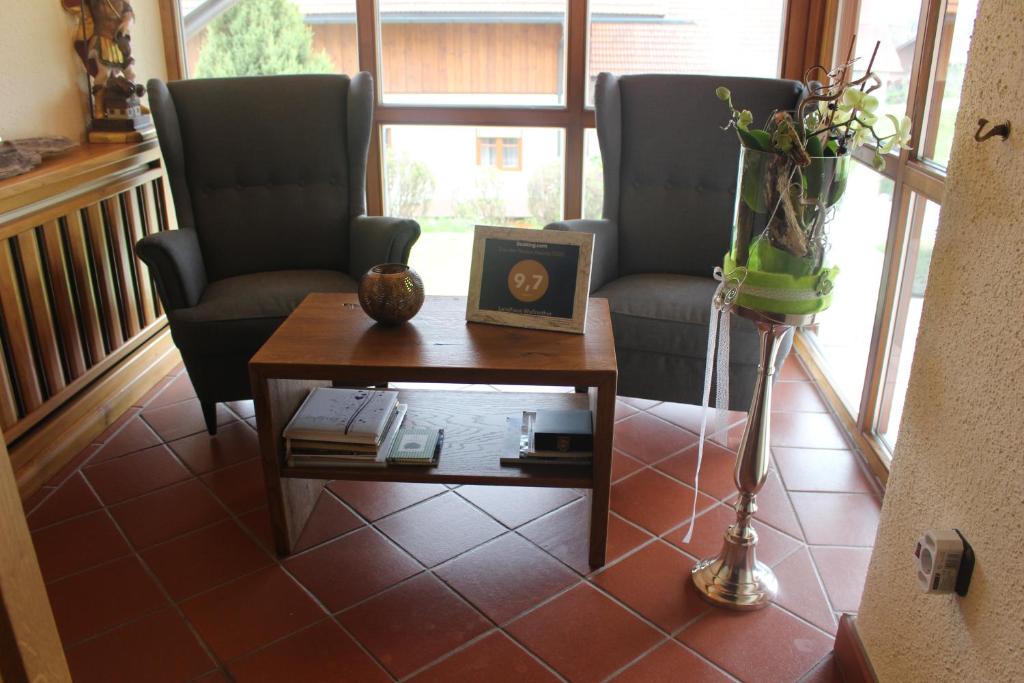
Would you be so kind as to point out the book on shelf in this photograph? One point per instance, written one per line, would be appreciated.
(563, 431)
(520, 446)
(417, 446)
(307, 453)
(349, 416)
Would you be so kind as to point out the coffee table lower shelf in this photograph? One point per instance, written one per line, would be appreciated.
(475, 440)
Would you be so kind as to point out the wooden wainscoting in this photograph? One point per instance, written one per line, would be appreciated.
(82, 332)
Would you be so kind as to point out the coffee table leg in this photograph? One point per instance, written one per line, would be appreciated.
(602, 403)
(290, 501)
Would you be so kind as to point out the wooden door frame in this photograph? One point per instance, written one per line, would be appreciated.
(30, 647)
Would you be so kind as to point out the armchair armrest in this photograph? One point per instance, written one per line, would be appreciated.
(606, 247)
(380, 239)
(177, 264)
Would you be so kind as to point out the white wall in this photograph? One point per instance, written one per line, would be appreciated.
(42, 81)
(958, 462)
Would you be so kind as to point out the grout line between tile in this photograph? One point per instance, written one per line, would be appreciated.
(163, 590)
(586, 578)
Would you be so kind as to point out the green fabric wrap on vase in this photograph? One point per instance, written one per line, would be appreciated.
(781, 292)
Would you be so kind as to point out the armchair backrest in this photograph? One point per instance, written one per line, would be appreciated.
(268, 170)
(669, 168)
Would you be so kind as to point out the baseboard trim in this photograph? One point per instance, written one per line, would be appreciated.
(50, 445)
(851, 657)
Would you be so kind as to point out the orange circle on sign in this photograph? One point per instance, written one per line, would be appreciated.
(528, 280)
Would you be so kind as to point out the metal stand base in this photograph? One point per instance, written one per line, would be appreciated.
(735, 579)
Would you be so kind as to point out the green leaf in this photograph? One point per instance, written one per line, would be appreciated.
(756, 139)
(813, 146)
(752, 183)
(723, 93)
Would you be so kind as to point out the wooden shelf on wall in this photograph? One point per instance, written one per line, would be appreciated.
(77, 306)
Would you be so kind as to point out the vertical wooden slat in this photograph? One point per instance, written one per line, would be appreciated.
(81, 267)
(8, 404)
(122, 264)
(61, 286)
(136, 231)
(37, 300)
(149, 204)
(104, 271)
(19, 340)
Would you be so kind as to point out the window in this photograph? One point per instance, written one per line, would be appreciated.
(947, 79)
(684, 36)
(593, 176)
(883, 238)
(486, 52)
(450, 193)
(858, 234)
(503, 153)
(268, 37)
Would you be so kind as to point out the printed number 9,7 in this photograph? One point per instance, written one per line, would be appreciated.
(528, 280)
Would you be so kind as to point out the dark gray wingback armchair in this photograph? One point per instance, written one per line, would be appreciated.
(268, 177)
(669, 195)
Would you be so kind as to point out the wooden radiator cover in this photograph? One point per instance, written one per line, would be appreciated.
(75, 301)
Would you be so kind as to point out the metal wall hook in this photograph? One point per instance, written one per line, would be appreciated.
(1002, 130)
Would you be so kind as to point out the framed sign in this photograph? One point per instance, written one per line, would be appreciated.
(530, 278)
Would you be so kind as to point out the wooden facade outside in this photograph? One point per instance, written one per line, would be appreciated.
(448, 58)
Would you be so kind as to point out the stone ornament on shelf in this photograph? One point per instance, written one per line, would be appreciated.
(21, 156)
(104, 44)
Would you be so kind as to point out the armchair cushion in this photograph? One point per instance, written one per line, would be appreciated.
(267, 166)
(238, 314)
(669, 314)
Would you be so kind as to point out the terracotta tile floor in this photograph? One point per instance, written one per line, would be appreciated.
(155, 546)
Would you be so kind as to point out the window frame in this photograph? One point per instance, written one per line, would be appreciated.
(803, 18)
(916, 180)
(499, 145)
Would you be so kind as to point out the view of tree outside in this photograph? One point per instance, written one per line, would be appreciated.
(260, 38)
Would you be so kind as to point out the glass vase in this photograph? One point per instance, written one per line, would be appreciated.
(782, 212)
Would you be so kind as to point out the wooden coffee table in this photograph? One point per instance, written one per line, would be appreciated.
(328, 339)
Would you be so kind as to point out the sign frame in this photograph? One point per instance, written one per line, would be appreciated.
(580, 283)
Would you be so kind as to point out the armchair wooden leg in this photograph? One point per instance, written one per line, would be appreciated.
(210, 416)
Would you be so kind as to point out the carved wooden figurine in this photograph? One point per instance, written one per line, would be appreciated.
(104, 44)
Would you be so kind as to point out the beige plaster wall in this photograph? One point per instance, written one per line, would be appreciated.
(959, 460)
(42, 82)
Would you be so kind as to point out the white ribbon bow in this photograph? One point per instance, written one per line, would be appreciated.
(718, 333)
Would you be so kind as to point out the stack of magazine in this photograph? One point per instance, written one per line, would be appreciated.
(344, 428)
(549, 437)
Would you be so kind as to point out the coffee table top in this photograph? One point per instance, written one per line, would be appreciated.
(329, 336)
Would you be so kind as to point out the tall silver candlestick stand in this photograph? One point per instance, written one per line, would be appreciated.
(735, 579)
